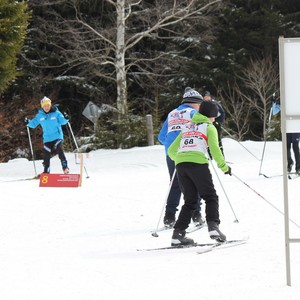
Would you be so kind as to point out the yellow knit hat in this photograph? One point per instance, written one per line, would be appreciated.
(45, 101)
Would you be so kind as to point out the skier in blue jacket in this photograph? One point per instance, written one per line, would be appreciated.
(171, 128)
(51, 120)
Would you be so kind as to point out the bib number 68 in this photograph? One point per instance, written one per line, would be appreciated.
(188, 141)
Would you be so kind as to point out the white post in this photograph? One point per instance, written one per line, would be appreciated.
(289, 64)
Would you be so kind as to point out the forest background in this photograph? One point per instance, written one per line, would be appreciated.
(135, 57)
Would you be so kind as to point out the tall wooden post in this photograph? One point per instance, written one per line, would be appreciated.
(81, 168)
(149, 125)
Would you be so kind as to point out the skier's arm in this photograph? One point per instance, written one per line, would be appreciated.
(213, 144)
(221, 118)
(221, 109)
(33, 123)
(61, 119)
(163, 132)
(172, 151)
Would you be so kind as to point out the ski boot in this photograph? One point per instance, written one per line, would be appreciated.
(197, 218)
(169, 219)
(214, 232)
(179, 238)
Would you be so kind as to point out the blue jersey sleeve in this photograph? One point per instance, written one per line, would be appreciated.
(163, 132)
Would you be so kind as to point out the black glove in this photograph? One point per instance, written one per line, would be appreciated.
(66, 116)
(26, 120)
(229, 171)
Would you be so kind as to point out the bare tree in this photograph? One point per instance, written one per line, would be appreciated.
(237, 111)
(260, 80)
(104, 46)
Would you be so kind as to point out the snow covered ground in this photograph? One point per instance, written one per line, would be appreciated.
(81, 243)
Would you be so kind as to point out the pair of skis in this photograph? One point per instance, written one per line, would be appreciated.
(204, 247)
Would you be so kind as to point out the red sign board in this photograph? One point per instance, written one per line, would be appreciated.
(59, 180)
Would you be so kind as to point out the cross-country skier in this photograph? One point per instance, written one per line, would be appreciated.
(51, 120)
(168, 133)
(219, 120)
(292, 140)
(189, 151)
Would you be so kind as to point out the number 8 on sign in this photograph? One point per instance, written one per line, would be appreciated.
(45, 179)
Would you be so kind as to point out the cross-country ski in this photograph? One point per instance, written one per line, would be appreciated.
(206, 246)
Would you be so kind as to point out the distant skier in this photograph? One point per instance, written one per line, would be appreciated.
(292, 140)
(168, 133)
(51, 120)
(219, 120)
(189, 153)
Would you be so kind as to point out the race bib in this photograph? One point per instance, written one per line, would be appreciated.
(178, 118)
(193, 138)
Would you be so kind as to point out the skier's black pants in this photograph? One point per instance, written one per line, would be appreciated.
(175, 192)
(196, 179)
(294, 143)
(53, 147)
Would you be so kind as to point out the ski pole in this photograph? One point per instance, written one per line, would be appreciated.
(265, 142)
(154, 233)
(247, 185)
(31, 149)
(236, 219)
(239, 143)
(77, 148)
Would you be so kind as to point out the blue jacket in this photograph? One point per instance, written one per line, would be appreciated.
(173, 124)
(51, 123)
(221, 118)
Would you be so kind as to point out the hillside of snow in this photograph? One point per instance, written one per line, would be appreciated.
(81, 243)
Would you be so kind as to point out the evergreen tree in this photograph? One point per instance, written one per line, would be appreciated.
(14, 18)
(246, 32)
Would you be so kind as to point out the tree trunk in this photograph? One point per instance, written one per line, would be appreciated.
(120, 59)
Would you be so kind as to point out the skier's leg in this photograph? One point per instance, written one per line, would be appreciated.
(190, 201)
(289, 157)
(174, 195)
(46, 157)
(288, 151)
(190, 193)
(297, 155)
(61, 155)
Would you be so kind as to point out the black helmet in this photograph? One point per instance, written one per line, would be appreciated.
(209, 109)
